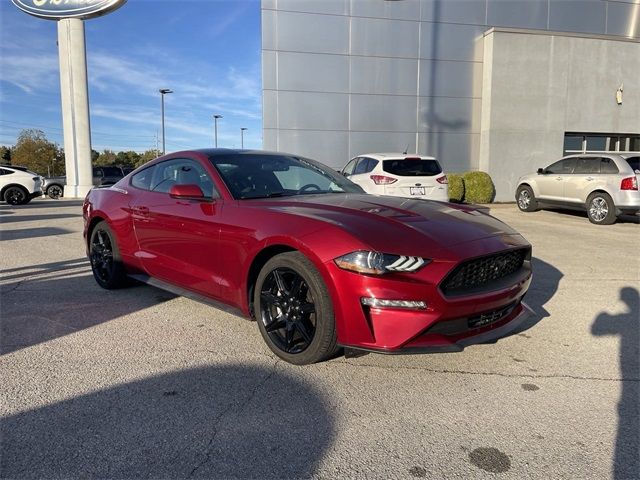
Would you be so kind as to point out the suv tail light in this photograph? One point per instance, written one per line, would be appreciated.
(382, 180)
(629, 184)
(443, 179)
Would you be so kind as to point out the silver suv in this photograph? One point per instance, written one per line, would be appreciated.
(605, 185)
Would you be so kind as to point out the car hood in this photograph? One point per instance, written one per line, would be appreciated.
(385, 222)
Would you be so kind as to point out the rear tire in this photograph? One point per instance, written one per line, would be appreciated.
(104, 255)
(525, 199)
(54, 191)
(16, 195)
(294, 311)
(601, 209)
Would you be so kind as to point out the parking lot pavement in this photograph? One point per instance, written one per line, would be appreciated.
(140, 383)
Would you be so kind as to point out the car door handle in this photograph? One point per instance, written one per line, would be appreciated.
(142, 211)
(590, 179)
(558, 178)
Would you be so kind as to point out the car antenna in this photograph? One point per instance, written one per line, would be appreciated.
(406, 149)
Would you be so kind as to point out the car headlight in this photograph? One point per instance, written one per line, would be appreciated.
(377, 263)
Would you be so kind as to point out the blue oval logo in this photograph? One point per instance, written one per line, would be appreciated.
(57, 9)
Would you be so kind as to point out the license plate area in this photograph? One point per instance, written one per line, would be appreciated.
(490, 317)
(417, 190)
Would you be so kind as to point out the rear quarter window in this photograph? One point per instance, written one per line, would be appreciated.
(634, 163)
(412, 167)
(608, 166)
(142, 179)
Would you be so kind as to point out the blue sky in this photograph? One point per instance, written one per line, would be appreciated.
(206, 51)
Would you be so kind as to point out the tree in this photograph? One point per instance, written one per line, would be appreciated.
(148, 156)
(35, 152)
(5, 155)
(128, 159)
(94, 155)
(106, 158)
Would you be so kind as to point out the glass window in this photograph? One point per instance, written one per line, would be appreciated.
(111, 171)
(562, 166)
(572, 142)
(587, 165)
(634, 144)
(142, 179)
(97, 172)
(412, 167)
(634, 163)
(608, 166)
(371, 164)
(251, 175)
(361, 167)
(4, 171)
(596, 143)
(348, 170)
(181, 171)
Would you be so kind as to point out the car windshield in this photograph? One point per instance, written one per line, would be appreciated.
(634, 163)
(412, 167)
(255, 175)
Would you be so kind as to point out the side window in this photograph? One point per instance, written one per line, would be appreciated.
(348, 170)
(371, 164)
(361, 166)
(562, 166)
(142, 179)
(587, 166)
(608, 166)
(182, 171)
(97, 172)
(4, 171)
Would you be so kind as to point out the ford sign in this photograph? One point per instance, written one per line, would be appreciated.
(58, 9)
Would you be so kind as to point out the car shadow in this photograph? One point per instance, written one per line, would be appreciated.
(626, 325)
(43, 203)
(32, 233)
(577, 213)
(34, 310)
(544, 285)
(232, 421)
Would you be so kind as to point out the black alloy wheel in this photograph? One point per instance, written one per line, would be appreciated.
(54, 191)
(294, 310)
(105, 258)
(16, 195)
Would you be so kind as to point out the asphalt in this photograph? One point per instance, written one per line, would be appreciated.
(138, 383)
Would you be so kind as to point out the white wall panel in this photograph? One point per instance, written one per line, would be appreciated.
(386, 38)
(314, 111)
(448, 41)
(302, 32)
(442, 78)
(383, 113)
(384, 75)
(404, 10)
(313, 72)
(330, 148)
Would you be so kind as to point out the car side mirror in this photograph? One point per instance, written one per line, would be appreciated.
(189, 190)
(541, 171)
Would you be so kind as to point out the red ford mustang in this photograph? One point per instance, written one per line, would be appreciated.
(319, 264)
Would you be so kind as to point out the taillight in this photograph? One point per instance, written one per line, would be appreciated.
(629, 184)
(382, 179)
(443, 179)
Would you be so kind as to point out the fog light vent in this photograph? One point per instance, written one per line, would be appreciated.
(386, 303)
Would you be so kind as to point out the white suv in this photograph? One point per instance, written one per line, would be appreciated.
(605, 185)
(19, 185)
(399, 175)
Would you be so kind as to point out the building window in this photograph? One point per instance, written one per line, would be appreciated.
(600, 142)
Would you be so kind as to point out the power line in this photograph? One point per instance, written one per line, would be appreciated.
(17, 125)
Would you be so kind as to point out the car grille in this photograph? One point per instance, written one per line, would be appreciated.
(481, 272)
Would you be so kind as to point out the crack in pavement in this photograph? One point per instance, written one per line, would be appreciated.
(496, 374)
(240, 409)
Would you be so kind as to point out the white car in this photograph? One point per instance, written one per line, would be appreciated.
(19, 185)
(399, 175)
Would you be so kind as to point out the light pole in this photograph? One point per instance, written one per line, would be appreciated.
(242, 129)
(163, 92)
(215, 127)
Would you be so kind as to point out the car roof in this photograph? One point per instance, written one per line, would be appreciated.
(15, 167)
(596, 155)
(394, 156)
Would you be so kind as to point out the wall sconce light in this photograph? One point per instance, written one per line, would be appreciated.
(619, 94)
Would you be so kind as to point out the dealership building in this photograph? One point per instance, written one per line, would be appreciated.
(502, 86)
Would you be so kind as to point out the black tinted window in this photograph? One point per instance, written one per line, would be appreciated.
(4, 171)
(608, 166)
(587, 165)
(562, 166)
(361, 167)
(634, 163)
(412, 167)
(112, 172)
(142, 179)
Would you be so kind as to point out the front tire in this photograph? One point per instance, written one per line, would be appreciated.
(600, 209)
(294, 310)
(104, 255)
(525, 199)
(16, 195)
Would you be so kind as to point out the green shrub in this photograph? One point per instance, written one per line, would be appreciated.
(456, 187)
(478, 187)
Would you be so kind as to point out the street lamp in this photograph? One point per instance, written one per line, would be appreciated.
(215, 126)
(242, 129)
(163, 92)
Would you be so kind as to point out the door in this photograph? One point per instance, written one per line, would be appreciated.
(178, 238)
(583, 179)
(551, 183)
